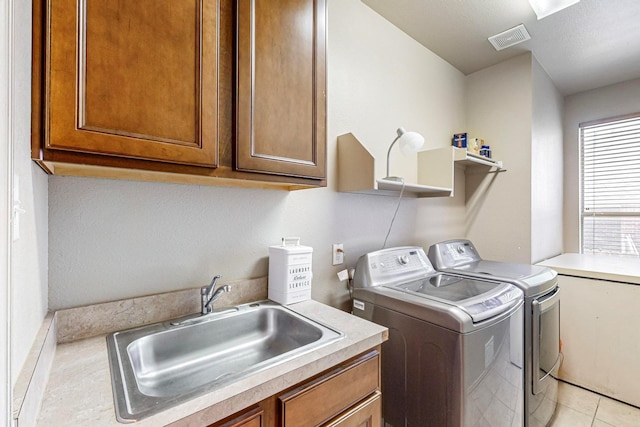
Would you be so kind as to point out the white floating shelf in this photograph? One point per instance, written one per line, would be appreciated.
(356, 174)
(466, 158)
(437, 167)
(435, 170)
(417, 189)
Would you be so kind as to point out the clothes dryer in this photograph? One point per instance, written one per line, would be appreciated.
(541, 347)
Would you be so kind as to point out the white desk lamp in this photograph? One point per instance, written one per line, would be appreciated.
(410, 143)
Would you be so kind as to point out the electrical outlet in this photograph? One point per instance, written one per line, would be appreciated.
(338, 254)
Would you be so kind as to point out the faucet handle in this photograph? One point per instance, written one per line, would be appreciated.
(213, 281)
(205, 290)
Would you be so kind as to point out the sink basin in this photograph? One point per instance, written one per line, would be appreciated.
(158, 366)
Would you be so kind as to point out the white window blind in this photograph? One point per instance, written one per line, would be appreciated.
(610, 178)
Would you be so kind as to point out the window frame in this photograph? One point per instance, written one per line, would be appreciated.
(583, 214)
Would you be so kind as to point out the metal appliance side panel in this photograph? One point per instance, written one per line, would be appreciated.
(539, 406)
(432, 376)
(546, 339)
(422, 379)
(493, 374)
(546, 357)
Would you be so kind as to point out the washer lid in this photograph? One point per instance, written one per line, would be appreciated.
(461, 257)
(510, 270)
(480, 299)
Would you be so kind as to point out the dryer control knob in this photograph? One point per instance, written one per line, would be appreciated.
(403, 259)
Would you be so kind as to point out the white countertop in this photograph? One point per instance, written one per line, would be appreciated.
(604, 267)
(79, 393)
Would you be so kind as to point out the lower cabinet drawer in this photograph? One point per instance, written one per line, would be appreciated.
(367, 413)
(329, 396)
(251, 418)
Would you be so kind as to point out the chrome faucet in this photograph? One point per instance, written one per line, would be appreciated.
(208, 296)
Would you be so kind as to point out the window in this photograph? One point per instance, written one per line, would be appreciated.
(610, 186)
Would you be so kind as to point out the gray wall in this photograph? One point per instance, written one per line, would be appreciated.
(546, 167)
(609, 101)
(516, 215)
(29, 292)
(114, 239)
(5, 238)
(499, 104)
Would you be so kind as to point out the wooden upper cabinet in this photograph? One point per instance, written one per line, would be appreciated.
(219, 92)
(133, 78)
(281, 85)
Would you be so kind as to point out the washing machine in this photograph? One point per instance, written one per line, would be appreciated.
(541, 347)
(448, 360)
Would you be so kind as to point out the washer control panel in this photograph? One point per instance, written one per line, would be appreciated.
(453, 253)
(390, 265)
(394, 262)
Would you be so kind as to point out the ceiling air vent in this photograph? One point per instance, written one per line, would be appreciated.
(512, 36)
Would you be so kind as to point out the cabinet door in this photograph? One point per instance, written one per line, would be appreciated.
(323, 399)
(133, 78)
(366, 414)
(281, 102)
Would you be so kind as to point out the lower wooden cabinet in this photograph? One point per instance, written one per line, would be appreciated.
(251, 418)
(367, 413)
(320, 400)
(347, 395)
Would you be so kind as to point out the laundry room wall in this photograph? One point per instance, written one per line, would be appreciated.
(516, 216)
(546, 167)
(112, 239)
(609, 101)
(442, 218)
(29, 283)
(499, 110)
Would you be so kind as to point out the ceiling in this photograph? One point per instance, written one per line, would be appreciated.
(591, 44)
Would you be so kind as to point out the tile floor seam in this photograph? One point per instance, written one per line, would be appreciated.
(595, 414)
(563, 412)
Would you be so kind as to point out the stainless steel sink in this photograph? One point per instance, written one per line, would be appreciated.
(158, 366)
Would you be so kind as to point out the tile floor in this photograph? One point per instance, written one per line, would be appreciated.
(578, 407)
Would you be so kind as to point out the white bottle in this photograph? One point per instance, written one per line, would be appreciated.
(473, 146)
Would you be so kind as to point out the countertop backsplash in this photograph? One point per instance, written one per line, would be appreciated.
(97, 319)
